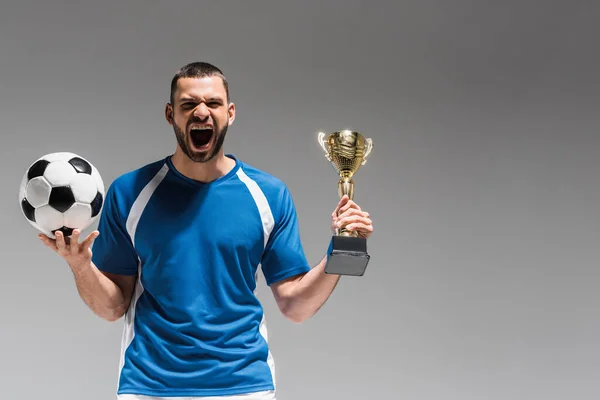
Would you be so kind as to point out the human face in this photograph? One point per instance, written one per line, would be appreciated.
(200, 116)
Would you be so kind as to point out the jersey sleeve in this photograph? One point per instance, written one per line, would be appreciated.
(112, 250)
(284, 254)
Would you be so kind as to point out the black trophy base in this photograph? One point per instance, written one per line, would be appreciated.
(347, 256)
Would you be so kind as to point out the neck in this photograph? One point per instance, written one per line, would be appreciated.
(206, 172)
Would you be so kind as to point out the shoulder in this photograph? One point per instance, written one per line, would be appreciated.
(269, 184)
(134, 181)
(127, 187)
(274, 189)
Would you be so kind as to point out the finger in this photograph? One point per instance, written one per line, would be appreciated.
(349, 205)
(340, 204)
(51, 243)
(354, 211)
(353, 219)
(89, 240)
(360, 227)
(351, 215)
(60, 242)
(74, 240)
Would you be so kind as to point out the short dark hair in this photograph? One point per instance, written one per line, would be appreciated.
(197, 69)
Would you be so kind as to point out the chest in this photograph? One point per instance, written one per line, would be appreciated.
(201, 230)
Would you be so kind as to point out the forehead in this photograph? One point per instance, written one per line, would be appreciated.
(208, 86)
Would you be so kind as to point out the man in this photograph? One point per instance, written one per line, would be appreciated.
(182, 240)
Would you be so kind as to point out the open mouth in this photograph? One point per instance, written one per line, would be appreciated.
(200, 136)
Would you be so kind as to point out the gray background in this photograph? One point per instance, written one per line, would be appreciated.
(483, 183)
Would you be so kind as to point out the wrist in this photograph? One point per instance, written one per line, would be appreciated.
(80, 267)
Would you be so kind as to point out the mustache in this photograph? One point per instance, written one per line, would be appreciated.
(197, 121)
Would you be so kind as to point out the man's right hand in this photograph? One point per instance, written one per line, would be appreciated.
(76, 254)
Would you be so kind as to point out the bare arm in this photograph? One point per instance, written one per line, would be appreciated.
(302, 296)
(107, 295)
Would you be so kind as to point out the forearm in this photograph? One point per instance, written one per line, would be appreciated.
(308, 294)
(99, 293)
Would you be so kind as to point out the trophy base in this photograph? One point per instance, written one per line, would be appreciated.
(347, 256)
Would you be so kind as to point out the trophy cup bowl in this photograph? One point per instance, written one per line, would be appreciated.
(346, 151)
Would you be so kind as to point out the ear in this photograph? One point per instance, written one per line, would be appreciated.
(169, 114)
(231, 113)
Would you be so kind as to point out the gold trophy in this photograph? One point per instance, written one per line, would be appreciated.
(347, 151)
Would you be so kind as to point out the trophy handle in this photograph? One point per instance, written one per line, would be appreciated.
(369, 147)
(323, 143)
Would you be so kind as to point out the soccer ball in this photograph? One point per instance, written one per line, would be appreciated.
(61, 192)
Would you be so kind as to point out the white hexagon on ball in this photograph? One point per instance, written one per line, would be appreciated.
(49, 218)
(84, 188)
(37, 191)
(61, 191)
(79, 216)
(59, 173)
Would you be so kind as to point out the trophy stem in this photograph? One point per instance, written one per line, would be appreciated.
(346, 186)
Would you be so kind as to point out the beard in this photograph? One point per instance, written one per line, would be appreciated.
(200, 156)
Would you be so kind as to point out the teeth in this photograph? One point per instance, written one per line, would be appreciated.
(200, 126)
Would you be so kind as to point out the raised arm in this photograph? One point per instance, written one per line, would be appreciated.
(301, 296)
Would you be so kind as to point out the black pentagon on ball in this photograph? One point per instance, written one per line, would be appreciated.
(65, 230)
(80, 165)
(96, 204)
(37, 169)
(28, 210)
(61, 198)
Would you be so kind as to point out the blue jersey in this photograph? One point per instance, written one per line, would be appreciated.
(195, 326)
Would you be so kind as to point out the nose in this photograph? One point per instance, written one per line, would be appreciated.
(201, 111)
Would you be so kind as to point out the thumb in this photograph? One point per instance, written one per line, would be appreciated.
(90, 239)
(340, 204)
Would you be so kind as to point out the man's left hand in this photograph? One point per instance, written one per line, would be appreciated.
(349, 215)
